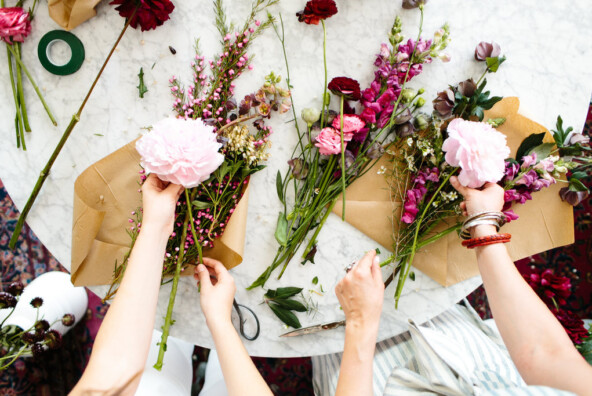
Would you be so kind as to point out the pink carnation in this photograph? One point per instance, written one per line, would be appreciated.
(328, 141)
(15, 24)
(180, 151)
(478, 149)
(351, 124)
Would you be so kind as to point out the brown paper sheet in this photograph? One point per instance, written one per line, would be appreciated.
(71, 13)
(104, 196)
(545, 222)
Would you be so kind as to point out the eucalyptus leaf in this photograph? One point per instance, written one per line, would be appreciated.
(292, 305)
(200, 205)
(281, 230)
(528, 143)
(542, 150)
(285, 316)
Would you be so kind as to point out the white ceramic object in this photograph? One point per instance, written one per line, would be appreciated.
(59, 298)
(177, 371)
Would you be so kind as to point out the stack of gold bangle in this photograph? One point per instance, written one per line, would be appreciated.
(497, 219)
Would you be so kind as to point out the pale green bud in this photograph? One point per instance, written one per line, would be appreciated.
(407, 95)
(420, 102)
(310, 116)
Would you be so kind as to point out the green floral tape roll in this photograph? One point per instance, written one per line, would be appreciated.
(72, 41)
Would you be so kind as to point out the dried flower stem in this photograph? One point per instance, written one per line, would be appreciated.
(75, 118)
(324, 104)
(342, 157)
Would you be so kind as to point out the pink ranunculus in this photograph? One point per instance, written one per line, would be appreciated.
(328, 141)
(180, 151)
(478, 149)
(15, 24)
(352, 123)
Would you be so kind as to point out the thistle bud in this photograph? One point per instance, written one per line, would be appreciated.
(310, 116)
(53, 339)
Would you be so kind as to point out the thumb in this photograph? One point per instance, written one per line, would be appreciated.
(174, 190)
(204, 276)
(375, 268)
(459, 187)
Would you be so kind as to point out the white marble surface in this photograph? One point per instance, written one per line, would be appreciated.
(549, 67)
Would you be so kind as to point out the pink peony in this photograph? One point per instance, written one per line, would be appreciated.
(351, 124)
(15, 24)
(180, 151)
(328, 141)
(478, 149)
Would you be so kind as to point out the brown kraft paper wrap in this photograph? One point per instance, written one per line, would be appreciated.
(105, 194)
(71, 13)
(545, 222)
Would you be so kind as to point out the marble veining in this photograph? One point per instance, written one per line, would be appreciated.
(548, 67)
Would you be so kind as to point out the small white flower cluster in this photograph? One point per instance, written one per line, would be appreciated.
(243, 143)
(381, 171)
(449, 197)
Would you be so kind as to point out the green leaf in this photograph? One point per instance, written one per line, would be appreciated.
(279, 186)
(488, 104)
(579, 175)
(285, 316)
(576, 185)
(141, 86)
(495, 122)
(200, 205)
(530, 142)
(281, 230)
(377, 250)
(223, 170)
(478, 112)
(292, 305)
(286, 292)
(542, 150)
(494, 63)
(315, 280)
(412, 276)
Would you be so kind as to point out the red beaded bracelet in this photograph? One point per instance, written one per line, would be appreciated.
(487, 240)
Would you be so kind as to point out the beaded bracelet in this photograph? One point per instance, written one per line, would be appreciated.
(486, 240)
(497, 219)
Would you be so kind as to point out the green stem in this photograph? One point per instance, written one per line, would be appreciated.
(168, 320)
(18, 120)
(312, 240)
(414, 248)
(19, 84)
(342, 157)
(191, 221)
(75, 118)
(325, 68)
(22, 65)
(481, 78)
(14, 357)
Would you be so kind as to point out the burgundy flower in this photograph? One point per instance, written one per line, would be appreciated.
(41, 326)
(29, 338)
(444, 103)
(317, 10)
(552, 289)
(36, 302)
(346, 87)
(409, 4)
(150, 14)
(573, 197)
(487, 50)
(573, 325)
(467, 88)
(7, 300)
(38, 351)
(53, 339)
(68, 320)
(15, 24)
(16, 288)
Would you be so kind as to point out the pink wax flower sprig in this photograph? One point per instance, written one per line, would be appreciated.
(150, 14)
(15, 26)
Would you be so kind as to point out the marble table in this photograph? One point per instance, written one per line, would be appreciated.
(549, 68)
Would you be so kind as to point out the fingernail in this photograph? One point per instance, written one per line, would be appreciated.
(376, 259)
(201, 268)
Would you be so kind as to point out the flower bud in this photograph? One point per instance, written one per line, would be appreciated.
(467, 88)
(68, 320)
(420, 91)
(573, 197)
(37, 302)
(299, 168)
(420, 122)
(407, 95)
(53, 339)
(420, 102)
(7, 300)
(16, 288)
(310, 116)
(375, 151)
(405, 129)
(487, 50)
(403, 117)
(444, 57)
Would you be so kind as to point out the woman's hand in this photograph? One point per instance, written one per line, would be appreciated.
(159, 202)
(361, 293)
(217, 291)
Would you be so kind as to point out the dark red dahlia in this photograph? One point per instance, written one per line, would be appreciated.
(150, 14)
(346, 87)
(573, 325)
(317, 10)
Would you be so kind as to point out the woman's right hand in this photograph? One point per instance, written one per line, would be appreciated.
(489, 199)
(361, 293)
(217, 291)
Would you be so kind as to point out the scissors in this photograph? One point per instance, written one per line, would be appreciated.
(330, 325)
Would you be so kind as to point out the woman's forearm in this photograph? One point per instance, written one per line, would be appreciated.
(240, 374)
(122, 343)
(538, 344)
(355, 375)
